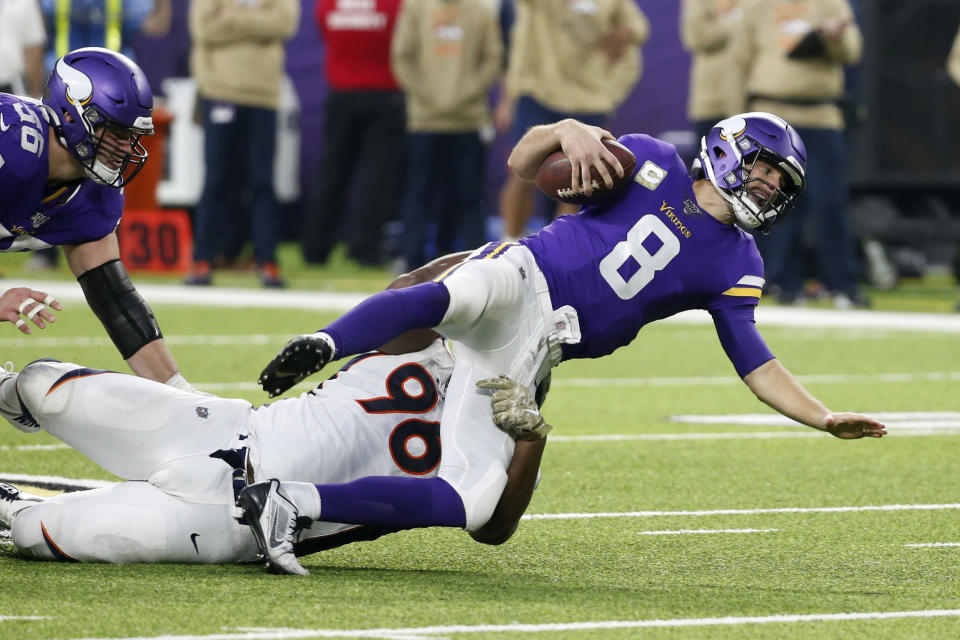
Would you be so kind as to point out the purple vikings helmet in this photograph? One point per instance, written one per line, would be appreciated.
(728, 154)
(100, 104)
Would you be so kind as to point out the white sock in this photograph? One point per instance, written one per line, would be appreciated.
(305, 496)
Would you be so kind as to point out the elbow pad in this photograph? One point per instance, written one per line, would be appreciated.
(124, 313)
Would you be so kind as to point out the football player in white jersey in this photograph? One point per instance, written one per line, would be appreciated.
(185, 455)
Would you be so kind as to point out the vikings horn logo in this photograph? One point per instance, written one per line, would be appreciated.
(79, 87)
(731, 127)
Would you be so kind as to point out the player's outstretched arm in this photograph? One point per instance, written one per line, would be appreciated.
(773, 384)
(125, 315)
(27, 302)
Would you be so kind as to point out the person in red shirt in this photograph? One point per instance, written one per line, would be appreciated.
(363, 132)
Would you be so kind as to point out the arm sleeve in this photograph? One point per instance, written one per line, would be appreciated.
(701, 29)
(403, 48)
(271, 20)
(636, 21)
(740, 338)
(849, 48)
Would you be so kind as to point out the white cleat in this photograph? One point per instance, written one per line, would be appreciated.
(10, 407)
(273, 518)
(12, 501)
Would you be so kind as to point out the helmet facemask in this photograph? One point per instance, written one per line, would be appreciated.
(756, 207)
(114, 154)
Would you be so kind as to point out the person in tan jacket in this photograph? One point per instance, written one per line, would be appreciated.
(237, 61)
(792, 54)
(707, 27)
(446, 55)
(568, 59)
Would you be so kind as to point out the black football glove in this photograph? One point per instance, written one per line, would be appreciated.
(302, 356)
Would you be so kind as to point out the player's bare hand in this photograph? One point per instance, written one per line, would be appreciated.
(581, 144)
(302, 356)
(850, 426)
(30, 304)
(515, 410)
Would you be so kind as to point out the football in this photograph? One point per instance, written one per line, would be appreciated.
(553, 176)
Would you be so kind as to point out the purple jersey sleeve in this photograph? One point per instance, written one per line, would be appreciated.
(740, 338)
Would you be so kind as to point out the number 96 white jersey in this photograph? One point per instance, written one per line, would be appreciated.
(379, 416)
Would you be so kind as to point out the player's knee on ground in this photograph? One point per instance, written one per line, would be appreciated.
(478, 287)
(36, 380)
(91, 531)
(28, 527)
(479, 496)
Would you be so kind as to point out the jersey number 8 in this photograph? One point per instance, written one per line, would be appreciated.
(632, 247)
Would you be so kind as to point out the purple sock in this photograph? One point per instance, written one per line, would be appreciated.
(398, 503)
(385, 315)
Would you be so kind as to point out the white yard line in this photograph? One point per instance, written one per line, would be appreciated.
(54, 482)
(927, 418)
(34, 447)
(414, 633)
(10, 618)
(739, 512)
(157, 294)
(934, 544)
(697, 381)
(681, 532)
(897, 432)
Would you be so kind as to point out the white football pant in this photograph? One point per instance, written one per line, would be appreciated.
(500, 322)
(145, 431)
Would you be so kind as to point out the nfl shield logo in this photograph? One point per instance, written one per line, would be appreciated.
(38, 219)
(202, 412)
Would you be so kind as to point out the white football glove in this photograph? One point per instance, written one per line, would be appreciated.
(515, 411)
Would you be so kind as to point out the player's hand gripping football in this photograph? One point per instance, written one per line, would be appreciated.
(302, 356)
(515, 411)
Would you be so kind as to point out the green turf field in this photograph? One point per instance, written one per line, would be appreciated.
(643, 525)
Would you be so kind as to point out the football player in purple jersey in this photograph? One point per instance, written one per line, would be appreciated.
(581, 287)
(63, 163)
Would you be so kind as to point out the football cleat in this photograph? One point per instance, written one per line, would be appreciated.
(302, 356)
(12, 501)
(272, 517)
(10, 406)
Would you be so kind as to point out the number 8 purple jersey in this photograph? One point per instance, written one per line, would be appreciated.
(648, 255)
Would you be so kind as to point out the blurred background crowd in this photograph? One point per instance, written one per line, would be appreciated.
(381, 127)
